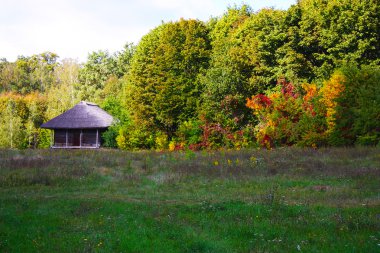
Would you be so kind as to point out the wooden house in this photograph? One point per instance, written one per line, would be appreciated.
(79, 127)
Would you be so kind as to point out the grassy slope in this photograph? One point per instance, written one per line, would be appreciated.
(284, 200)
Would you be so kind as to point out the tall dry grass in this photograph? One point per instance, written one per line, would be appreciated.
(49, 167)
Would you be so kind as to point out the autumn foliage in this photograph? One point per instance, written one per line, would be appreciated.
(289, 116)
(312, 116)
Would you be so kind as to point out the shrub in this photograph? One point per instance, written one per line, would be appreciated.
(135, 138)
(44, 136)
(161, 141)
(190, 132)
(288, 116)
(368, 139)
(109, 137)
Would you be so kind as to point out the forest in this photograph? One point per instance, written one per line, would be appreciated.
(307, 76)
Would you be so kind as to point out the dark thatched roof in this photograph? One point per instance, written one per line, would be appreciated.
(82, 115)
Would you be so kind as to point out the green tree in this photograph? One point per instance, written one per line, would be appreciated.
(11, 135)
(243, 62)
(162, 88)
(36, 105)
(338, 31)
(28, 74)
(99, 67)
(357, 108)
(123, 59)
(65, 93)
(43, 66)
(6, 75)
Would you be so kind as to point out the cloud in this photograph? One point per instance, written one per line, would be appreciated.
(73, 28)
(189, 9)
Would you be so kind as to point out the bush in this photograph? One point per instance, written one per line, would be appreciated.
(161, 141)
(109, 137)
(288, 116)
(190, 132)
(133, 138)
(368, 140)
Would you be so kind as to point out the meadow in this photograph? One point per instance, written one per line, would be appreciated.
(252, 200)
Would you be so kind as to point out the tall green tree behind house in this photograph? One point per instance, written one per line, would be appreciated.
(100, 67)
(65, 93)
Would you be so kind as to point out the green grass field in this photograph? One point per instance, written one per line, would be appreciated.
(283, 200)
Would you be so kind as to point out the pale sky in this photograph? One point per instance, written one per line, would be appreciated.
(74, 28)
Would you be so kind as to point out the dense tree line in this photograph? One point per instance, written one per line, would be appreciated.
(305, 76)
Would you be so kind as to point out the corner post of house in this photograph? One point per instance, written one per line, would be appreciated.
(97, 136)
(67, 139)
(52, 132)
(80, 139)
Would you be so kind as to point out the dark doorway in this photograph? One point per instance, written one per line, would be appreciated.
(89, 137)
